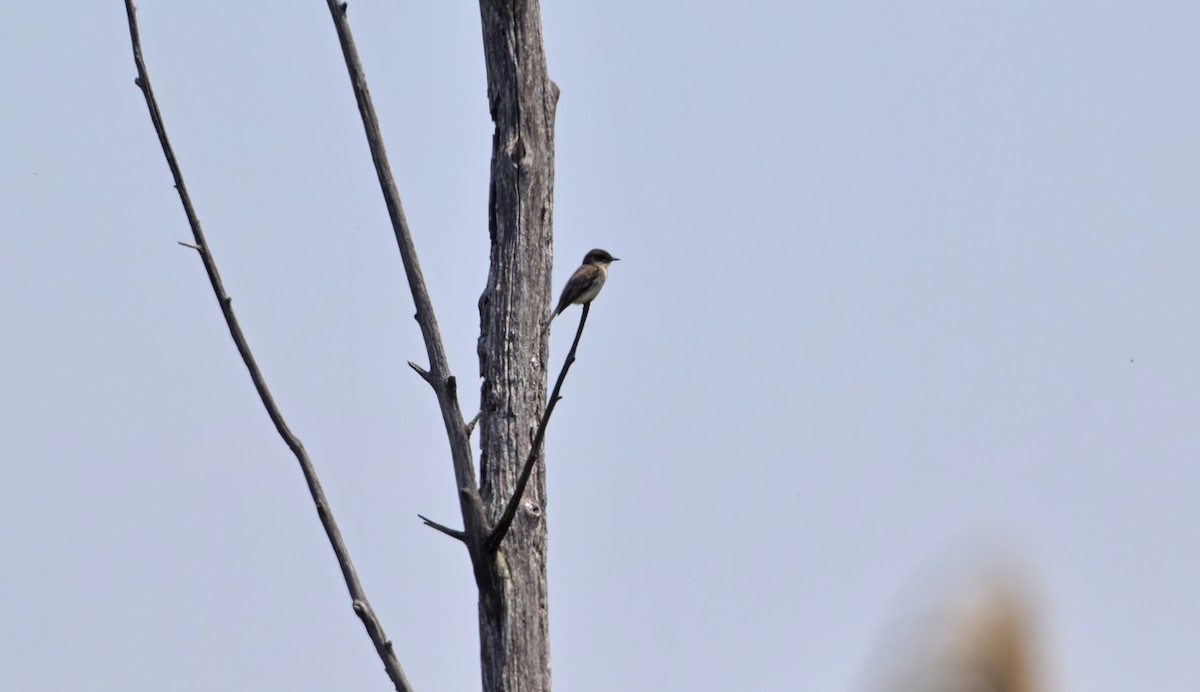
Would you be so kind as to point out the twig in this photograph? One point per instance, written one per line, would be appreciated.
(453, 533)
(471, 425)
(361, 606)
(439, 369)
(510, 511)
(423, 373)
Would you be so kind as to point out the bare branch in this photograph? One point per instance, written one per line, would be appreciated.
(189, 245)
(362, 608)
(439, 370)
(471, 425)
(453, 533)
(423, 373)
(510, 510)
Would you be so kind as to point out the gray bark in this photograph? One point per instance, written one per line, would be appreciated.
(513, 626)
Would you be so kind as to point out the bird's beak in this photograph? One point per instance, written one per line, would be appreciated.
(616, 259)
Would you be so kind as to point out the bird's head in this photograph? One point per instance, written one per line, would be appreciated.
(599, 257)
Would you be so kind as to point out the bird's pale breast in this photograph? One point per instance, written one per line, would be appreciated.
(593, 290)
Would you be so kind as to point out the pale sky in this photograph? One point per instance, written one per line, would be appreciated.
(901, 283)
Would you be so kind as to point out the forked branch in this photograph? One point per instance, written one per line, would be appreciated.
(496, 537)
(438, 375)
(358, 597)
(453, 533)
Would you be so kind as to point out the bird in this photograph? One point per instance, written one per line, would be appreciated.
(585, 284)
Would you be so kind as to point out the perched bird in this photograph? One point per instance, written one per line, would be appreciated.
(585, 284)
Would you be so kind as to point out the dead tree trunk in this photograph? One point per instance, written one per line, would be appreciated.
(503, 519)
(513, 625)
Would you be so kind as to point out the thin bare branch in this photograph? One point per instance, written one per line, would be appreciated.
(439, 370)
(189, 245)
(471, 425)
(362, 607)
(510, 510)
(453, 533)
(423, 373)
